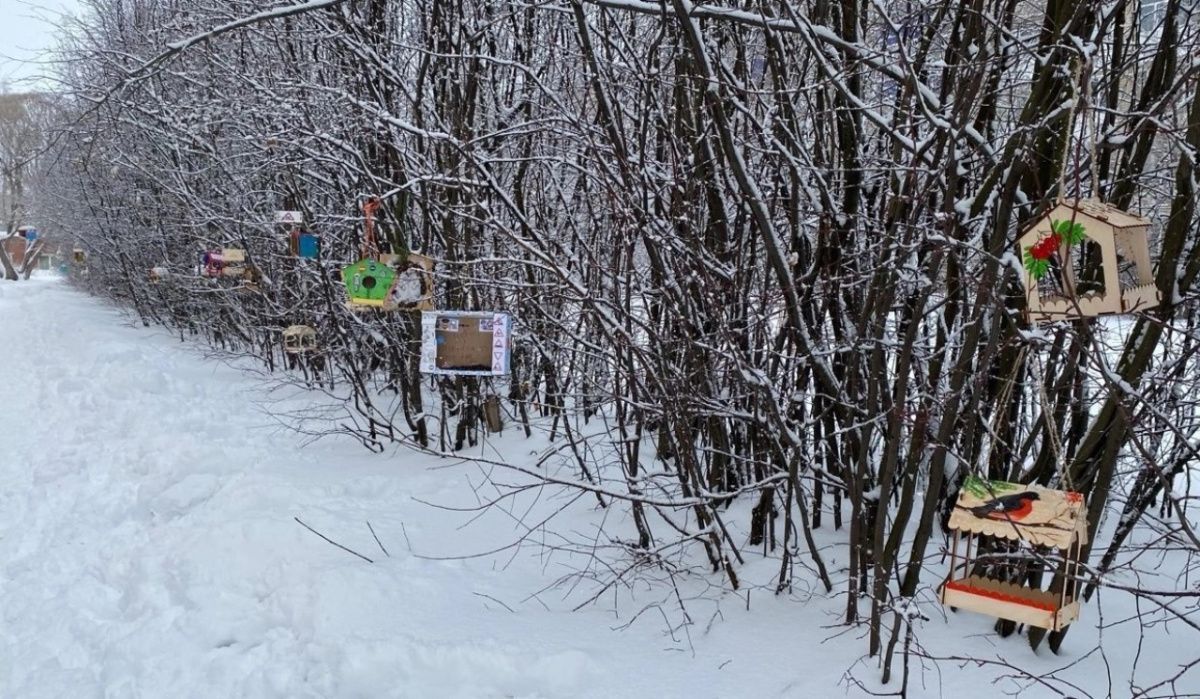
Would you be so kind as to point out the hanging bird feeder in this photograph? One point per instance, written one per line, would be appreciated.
(211, 263)
(1086, 258)
(300, 242)
(157, 274)
(368, 283)
(387, 282)
(228, 262)
(1020, 521)
(251, 279)
(299, 339)
(233, 262)
(79, 256)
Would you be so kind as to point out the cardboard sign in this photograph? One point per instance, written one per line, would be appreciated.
(465, 343)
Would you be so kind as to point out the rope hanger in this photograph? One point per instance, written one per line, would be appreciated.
(370, 246)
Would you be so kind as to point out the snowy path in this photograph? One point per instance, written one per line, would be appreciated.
(148, 549)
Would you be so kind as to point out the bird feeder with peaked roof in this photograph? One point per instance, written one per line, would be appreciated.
(1035, 521)
(299, 339)
(1086, 258)
(386, 281)
(368, 283)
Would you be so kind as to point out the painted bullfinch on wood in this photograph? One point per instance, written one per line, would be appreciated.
(1014, 507)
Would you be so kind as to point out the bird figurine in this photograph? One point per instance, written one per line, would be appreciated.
(1015, 507)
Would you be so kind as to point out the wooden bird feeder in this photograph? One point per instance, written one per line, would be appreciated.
(391, 283)
(1008, 585)
(157, 274)
(251, 279)
(299, 339)
(228, 262)
(79, 256)
(1086, 258)
(368, 283)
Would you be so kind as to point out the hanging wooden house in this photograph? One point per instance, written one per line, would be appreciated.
(299, 339)
(1086, 258)
(368, 283)
(157, 274)
(227, 262)
(1031, 523)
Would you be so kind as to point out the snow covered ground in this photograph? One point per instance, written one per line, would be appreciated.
(148, 548)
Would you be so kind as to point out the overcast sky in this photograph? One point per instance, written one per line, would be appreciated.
(27, 29)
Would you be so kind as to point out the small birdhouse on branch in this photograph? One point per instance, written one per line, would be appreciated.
(1018, 539)
(299, 339)
(1086, 258)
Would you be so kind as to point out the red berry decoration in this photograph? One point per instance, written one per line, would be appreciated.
(1044, 248)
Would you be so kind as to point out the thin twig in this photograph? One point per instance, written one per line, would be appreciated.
(347, 550)
(381, 547)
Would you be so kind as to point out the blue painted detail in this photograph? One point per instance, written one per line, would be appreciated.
(307, 245)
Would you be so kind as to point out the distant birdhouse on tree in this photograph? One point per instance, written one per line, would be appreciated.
(1086, 258)
(228, 262)
(1022, 536)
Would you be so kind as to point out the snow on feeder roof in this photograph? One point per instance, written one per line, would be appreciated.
(1030, 513)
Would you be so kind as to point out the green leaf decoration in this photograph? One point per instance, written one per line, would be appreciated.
(1077, 234)
(983, 488)
(1073, 233)
(1036, 268)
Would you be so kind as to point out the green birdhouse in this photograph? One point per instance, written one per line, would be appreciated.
(368, 282)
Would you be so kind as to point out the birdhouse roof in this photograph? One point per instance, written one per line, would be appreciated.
(298, 330)
(1111, 216)
(1030, 513)
(1108, 213)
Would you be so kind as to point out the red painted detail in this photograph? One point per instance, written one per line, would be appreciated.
(960, 586)
(1016, 515)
